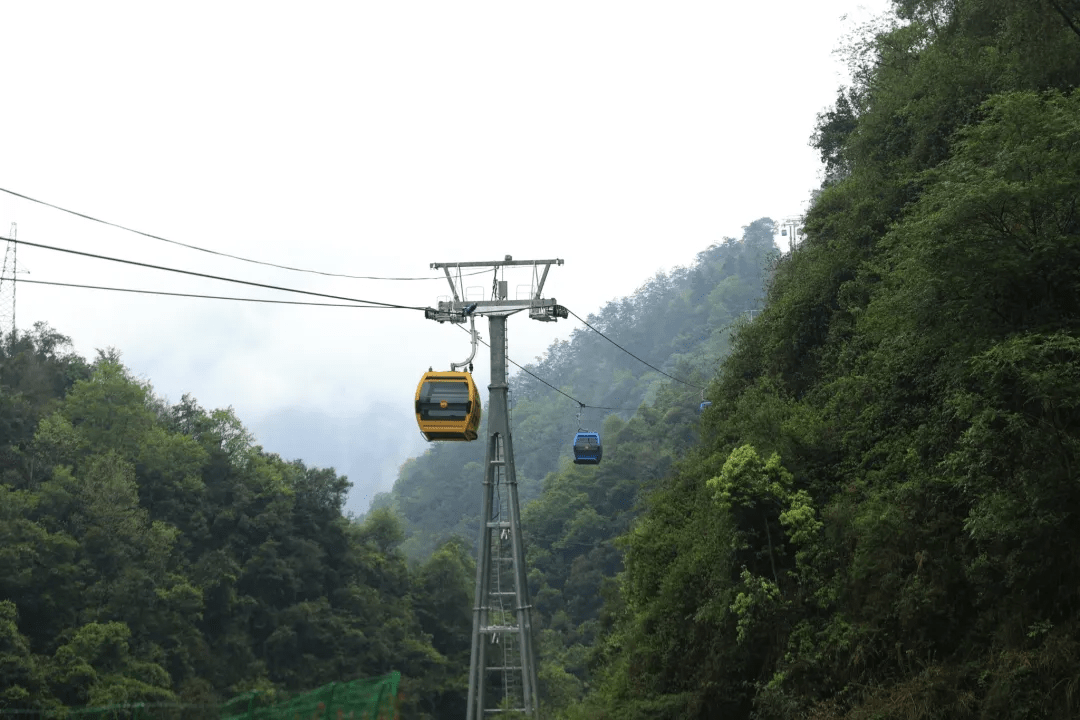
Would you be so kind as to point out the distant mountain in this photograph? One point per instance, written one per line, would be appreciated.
(328, 440)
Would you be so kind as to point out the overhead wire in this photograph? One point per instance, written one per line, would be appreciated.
(684, 382)
(571, 397)
(194, 295)
(217, 252)
(212, 277)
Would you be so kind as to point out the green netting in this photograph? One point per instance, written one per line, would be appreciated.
(367, 699)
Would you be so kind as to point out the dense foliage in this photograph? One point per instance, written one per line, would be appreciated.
(149, 552)
(881, 519)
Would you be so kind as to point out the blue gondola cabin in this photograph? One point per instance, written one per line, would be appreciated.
(587, 448)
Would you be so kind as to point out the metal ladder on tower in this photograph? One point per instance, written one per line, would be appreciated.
(506, 694)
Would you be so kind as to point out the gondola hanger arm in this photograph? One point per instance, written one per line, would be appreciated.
(475, 340)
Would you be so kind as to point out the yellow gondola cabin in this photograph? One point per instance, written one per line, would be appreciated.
(448, 406)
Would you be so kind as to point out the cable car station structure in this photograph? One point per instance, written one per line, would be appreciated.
(502, 664)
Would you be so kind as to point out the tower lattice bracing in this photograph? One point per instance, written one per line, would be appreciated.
(7, 288)
(502, 667)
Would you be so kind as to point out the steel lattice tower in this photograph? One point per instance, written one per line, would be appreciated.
(502, 665)
(7, 288)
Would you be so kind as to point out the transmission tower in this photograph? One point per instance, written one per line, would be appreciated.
(7, 288)
(502, 664)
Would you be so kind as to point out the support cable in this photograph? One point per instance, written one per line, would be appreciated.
(213, 277)
(204, 297)
(699, 387)
(574, 399)
(214, 252)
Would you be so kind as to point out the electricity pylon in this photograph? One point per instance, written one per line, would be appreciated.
(502, 664)
(7, 288)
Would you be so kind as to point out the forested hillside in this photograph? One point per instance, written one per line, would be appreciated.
(881, 518)
(877, 517)
(150, 553)
(679, 322)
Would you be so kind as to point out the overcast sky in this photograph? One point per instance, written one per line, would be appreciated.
(374, 138)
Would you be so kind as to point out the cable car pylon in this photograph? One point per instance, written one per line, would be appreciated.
(502, 663)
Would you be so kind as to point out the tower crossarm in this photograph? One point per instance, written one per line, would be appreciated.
(457, 289)
(459, 307)
(509, 261)
(454, 310)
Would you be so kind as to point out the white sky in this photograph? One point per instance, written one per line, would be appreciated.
(374, 138)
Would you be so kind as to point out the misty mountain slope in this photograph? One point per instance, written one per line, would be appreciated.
(676, 321)
(329, 439)
(880, 519)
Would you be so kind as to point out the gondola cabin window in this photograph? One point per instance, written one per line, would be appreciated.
(444, 401)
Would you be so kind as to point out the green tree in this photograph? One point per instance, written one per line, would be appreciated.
(21, 675)
(96, 668)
